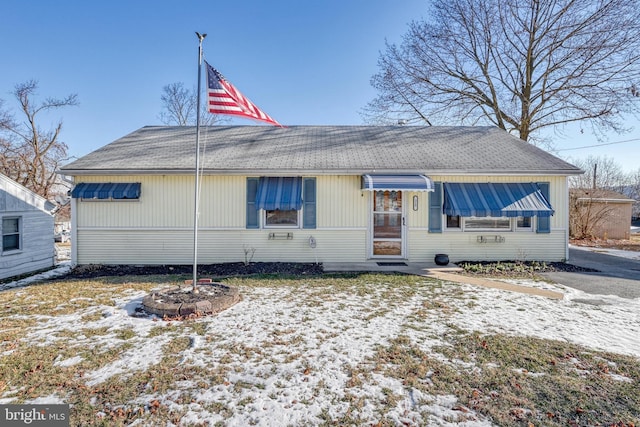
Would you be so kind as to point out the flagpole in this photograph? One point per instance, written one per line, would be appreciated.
(197, 175)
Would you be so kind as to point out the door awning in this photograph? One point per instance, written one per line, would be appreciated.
(279, 193)
(397, 182)
(495, 200)
(106, 190)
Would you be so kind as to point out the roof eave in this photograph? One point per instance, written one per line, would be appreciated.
(17, 190)
(304, 171)
(604, 200)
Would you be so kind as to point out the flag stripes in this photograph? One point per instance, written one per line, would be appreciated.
(224, 98)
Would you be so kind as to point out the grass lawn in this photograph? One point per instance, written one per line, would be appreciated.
(333, 350)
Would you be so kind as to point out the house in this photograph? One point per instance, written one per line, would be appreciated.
(633, 192)
(27, 230)
(319, 193)
(599, 213)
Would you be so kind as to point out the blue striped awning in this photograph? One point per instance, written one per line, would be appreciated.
(397, 182)
(106, 190)
(279, 193)
(495, 200)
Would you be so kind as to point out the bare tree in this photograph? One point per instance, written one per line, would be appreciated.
(520, 65)
(601, 172)
(633, 179)
(179, 107)
(603, 178)
(29, 154)
(6, 120)
(586, 213)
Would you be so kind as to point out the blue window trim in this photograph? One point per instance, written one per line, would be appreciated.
(435, 208)
(307, 204)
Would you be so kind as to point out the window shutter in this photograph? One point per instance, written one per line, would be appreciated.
(544, 223)
(435, 208)
(252, 211)
(309, 203)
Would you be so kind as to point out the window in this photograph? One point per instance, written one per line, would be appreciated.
(108, 191)
(281, 202)
(488, 223)
(10, 234)
(524, 223)
(278, 218)
(453, 221)
(491, 206)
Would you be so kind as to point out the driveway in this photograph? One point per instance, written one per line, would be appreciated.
(616, 275)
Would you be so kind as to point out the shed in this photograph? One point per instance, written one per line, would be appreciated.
(604, 214)
(27, 230)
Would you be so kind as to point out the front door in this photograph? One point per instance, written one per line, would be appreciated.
(387, 231)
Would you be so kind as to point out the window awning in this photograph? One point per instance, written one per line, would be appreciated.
(279, 193)
(397, 182)
(107, 190)
(495, 199)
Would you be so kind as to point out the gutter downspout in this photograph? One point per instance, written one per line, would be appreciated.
(74, 223)
(74, 233)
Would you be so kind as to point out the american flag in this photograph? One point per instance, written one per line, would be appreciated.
(224, 98)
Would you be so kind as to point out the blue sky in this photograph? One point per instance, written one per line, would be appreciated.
(302, 62)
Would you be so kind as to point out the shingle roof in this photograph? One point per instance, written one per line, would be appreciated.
(14, 189)
(321, 150)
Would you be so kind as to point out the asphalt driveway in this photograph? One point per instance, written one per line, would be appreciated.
(616, 275)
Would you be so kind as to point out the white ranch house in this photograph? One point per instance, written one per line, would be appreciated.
(27, 230)
(319, 193)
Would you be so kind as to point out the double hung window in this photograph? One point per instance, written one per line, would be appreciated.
(11, 239)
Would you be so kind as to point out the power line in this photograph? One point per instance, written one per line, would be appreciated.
(599, 145)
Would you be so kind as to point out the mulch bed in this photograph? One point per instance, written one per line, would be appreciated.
(503, 268)
(209, 270)
(518, 268)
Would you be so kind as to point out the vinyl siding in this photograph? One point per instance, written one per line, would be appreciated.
(341, 202)
(158, 229)
(38, 249)
(521, 246)
(167, 201)
(139, 246)
(419, 218)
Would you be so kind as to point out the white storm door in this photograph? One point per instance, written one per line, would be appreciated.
(387, 224)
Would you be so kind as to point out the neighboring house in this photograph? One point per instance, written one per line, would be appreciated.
(603, 214)
(319, 193)
(27, 230)
(633, 192)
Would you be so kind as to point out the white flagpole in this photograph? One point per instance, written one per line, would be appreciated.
(197, 175)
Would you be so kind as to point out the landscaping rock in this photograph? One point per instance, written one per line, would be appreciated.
(180, 302)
